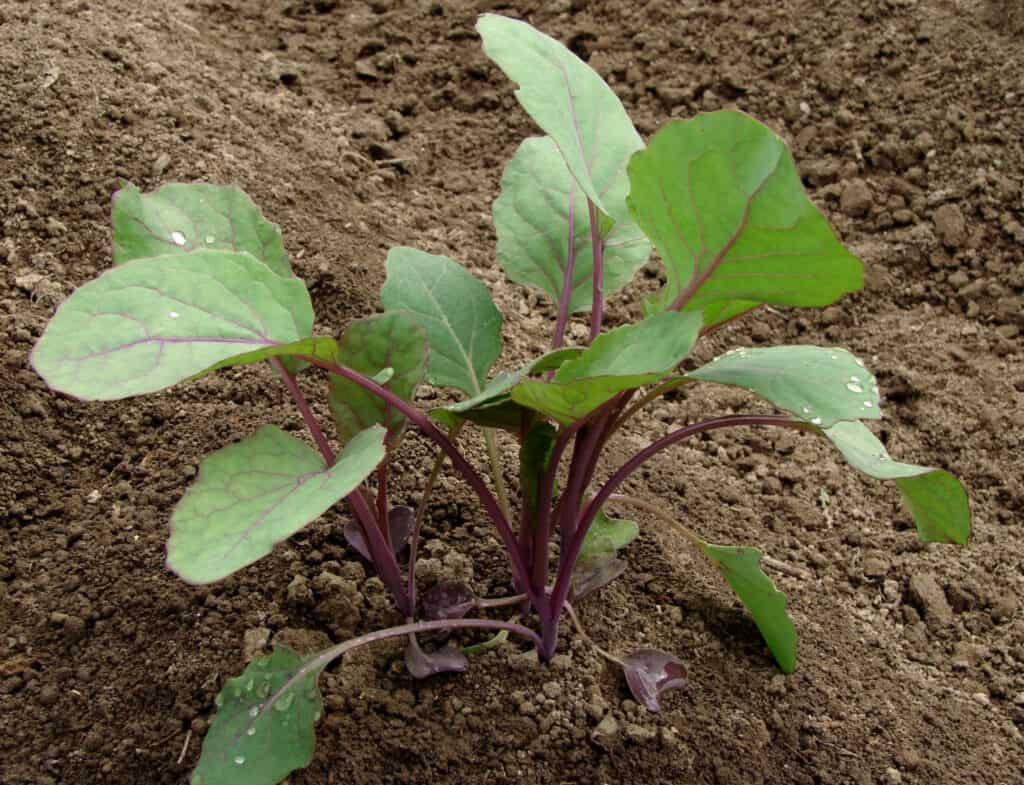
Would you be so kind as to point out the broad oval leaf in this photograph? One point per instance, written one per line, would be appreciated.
(252, 495)
(571, 103)
(422, 664)
(819, 385)
(178, 218)
(651, 673)
(371, 346)
(265, 723)
(151, 323)
(741, 568)
(622, 359)
(720, 198)
(532, 217)
(463, 327)
(935, 498)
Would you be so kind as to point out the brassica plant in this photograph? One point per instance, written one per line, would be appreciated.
(201, 281)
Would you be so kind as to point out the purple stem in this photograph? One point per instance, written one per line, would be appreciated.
(382, 499)
(383, 557)
(549, 619)
(427, 428)
(307, 413)
(597, 246)
(567, 279)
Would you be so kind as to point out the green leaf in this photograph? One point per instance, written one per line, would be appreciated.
(531, 218)
(605, 538)
(534, 454)
(264, 726)
(571, 103)
(179, 218)
(463, 327)
(622, 359)
(372, 346)
(321, 347)
(936, 499)
(720, 198)
(818, 385)
(151, 323)
(767, 605)
(493, 407)
(252, 495)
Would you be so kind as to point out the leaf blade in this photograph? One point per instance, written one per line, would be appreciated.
(463, 326)
(148, 324)
(720, 198)
(251, 495)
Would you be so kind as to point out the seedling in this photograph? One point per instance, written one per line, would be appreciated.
(201, 281)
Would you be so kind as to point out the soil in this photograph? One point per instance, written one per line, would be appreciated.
(361, 125)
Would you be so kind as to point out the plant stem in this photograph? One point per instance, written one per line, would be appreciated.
(564, 580)
(382, 499)
(597, 246)
(567, 279)
(383, 556)
(307, 413)
(427, 428)
(583, 634)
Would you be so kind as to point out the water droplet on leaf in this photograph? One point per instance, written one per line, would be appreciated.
(816, 421)
(868, 404)
(174, 314)
(210, 239)
(249, 685)
(218, 701)
(177, 238)
(806, 410)
(251, 731)
(854, 387)
(239, 759)
(254, 711)
(854, 378)
(284, 702)
(316, 716)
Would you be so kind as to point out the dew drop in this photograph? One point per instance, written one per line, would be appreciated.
(210, 239)
(264, 689)
(854, 387)
(174, 314)
(835, 356)
(859, 361)
(816, 421)
(854, 378)
(284, 703)
(239, 759)
(177, 238)
(249, 685)
(251, 731)
(868, 404)
(806, 410)
(218, 701)
(316, 716)
(254, 711)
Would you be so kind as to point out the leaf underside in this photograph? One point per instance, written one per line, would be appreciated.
(148, 324)
(264, 727)
(454, 309)
(720, 198)
(818, 385)
(251, 495)
(935, 498)
(598, 564)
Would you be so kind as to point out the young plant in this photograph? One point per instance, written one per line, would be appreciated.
(201, 282)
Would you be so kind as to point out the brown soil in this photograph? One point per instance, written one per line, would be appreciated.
(359, 125)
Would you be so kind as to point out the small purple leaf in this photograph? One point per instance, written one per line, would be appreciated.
(591, 577)
(448, 600)
(422, 664)
(650, 672)
(400, 523)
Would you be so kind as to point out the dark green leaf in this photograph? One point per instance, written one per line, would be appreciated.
(179, 218)
(463, 327)
(151, 323)
(571, 103)
(819, 385)
(936, 499)
(720, 198)
(265, 723)
(767, 605)
(533, 463)
(531, 218)
(251, 495)
(389, 341)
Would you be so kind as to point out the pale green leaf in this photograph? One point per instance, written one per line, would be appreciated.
(767, 605)
(622, 359)
(148, 324)
(818, 385)
(720, 198)
(252, 495)
(531, 219)
(571, 103)
(377, 344)
(265, 723)
(183, 217)
(605, 538)
(935, 498)
(463, 327)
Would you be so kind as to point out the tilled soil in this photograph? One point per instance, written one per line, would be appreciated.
(361, 125)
